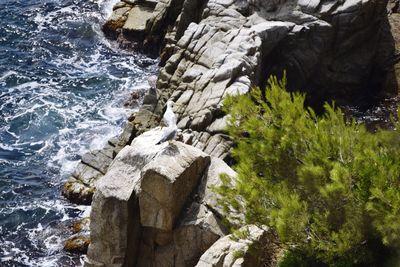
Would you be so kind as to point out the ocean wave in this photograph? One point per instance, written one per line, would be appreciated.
(62, 89)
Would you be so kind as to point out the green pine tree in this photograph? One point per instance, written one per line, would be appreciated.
(327, 186)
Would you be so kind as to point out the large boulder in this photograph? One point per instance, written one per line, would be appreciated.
(196, 230)
(137, 205)
(166, 184)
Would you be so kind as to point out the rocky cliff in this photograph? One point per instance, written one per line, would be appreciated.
(152, 204)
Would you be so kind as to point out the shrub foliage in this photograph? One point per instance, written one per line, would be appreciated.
(326, 185)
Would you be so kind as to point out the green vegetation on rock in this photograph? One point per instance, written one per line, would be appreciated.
(329, 188)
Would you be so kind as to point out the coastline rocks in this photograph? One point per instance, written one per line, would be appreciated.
(77, 244)
(80, 240)
(128, 22)
(215, 48)
(321, 44)
(115, 219)
(77, 192)
(152, 202)
(80, 186)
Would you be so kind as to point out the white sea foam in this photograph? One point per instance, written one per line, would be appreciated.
(51, 118)
(7, 74)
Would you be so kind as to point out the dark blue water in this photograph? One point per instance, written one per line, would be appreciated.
(62, 86)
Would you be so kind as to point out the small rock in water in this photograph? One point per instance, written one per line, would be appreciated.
(80, 226)
(77, 244)
(136, 95)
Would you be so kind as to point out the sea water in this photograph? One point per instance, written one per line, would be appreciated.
(62, 88)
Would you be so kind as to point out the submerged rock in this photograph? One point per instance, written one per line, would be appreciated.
(81, 226)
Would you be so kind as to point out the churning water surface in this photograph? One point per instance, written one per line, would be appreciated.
(62, 85)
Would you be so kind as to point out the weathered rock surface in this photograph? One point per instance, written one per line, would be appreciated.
(213, 48)
(321, 43)
(254, 250)
(128, 22)
(149, 204)
(81, 186)
(78, 243)
(165, 185)
(155, 201)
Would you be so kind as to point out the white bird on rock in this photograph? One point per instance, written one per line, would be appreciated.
(169, 119)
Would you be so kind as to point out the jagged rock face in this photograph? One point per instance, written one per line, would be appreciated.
(332, 51)
(148, 209)
(79, 241)
(212, 48)
(80, 187)
(147, 213)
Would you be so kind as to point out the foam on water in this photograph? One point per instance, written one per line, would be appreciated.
(62, 89)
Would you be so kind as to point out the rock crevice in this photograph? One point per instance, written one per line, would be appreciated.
(152, 205)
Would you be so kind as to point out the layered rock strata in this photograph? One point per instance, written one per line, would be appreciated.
(214, 48)
(151, 201)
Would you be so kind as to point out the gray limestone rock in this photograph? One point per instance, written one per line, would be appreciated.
(149, 201)
(166, 184)
(97, 160)
(143, 193)
(115, 218)
(137, 19)
(230, 251)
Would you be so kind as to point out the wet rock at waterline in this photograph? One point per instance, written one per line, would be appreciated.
(77, 244)
(79, 241)
(128, 22)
